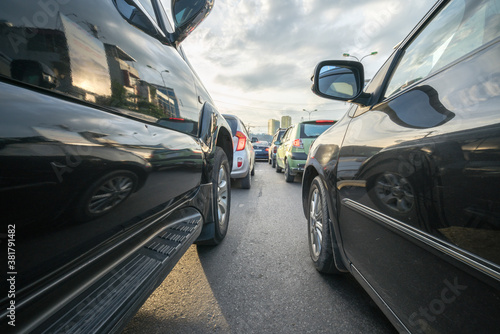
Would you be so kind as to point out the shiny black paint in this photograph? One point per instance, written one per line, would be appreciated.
(425, 243)
(84, 94)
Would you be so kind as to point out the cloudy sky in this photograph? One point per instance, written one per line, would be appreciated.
(256, 57)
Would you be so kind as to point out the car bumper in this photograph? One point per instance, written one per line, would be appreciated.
(297, 162)
(244, 169)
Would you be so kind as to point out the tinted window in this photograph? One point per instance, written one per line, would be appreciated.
(233, 123)
(459, 28)
(148, 6)
(313, 130)
(135, 16)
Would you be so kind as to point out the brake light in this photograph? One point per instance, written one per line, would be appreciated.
(242, 141)
(176, 119)
(298, 143)
(325, 121)
(267, 149)
(275, 149)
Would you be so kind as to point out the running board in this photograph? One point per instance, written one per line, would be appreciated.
(109, 303)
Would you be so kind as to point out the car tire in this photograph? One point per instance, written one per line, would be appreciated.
(320, 242)
(105, 194)
(273, 163)
(246, 182)
(253, 170)
(288, 177)
(278, 168)
(221, 192)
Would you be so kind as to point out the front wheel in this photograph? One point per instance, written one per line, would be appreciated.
(221, 190)
(320, 242)
(246, 182)
(288, 177)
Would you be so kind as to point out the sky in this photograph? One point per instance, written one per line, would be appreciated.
(256, 57)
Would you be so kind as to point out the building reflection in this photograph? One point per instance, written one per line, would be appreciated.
(106, 75)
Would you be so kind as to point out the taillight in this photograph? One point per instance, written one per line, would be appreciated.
(298, 143)
(242, 141)
(267, 149)
(275, 149)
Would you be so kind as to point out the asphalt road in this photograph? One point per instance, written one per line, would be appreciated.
(260, 279)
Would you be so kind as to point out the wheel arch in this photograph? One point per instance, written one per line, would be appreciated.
(311, 172)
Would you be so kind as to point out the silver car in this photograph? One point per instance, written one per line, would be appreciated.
(244, 154)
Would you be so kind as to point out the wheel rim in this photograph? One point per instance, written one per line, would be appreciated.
(222, 196)
(315, 224)
(395, 192)
(110, 194)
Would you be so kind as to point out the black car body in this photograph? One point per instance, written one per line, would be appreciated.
(113, 159)
(404, 192)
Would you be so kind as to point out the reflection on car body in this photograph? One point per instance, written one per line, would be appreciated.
(403, 191)
(113, 158)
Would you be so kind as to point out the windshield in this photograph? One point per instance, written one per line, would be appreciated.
(313, 130)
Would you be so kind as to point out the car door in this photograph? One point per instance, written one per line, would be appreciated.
(99, 119)
(284, 147)
(418, 176)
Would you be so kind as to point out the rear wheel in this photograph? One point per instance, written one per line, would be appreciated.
(320, 242)
(274, 163)
(288, 177)
(278, 168)
(221, 190)
(246, 182)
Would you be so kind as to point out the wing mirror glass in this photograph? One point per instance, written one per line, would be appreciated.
(188, 14)
(339, 80)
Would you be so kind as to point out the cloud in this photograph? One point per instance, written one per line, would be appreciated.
(262, 52)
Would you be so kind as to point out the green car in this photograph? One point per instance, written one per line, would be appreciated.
(294, 146)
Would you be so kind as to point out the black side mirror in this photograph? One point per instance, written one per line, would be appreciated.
(340, 80)
(188, 14)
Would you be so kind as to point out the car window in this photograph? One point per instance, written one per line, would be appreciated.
(459, 28)
(166, 13)
(233, 124)
(136, 17)
(148, 6)
(313, 130)
(286, 136)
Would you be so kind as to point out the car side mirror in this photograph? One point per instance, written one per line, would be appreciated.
(340, 80)
(188, 14)
(278, 142)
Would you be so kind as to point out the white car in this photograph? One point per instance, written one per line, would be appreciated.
(244, 154)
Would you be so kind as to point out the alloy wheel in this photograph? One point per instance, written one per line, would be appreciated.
(316, 224)
(222, 196)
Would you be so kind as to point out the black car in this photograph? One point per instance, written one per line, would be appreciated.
(404, 191)
(261, 150)
(113, 159)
